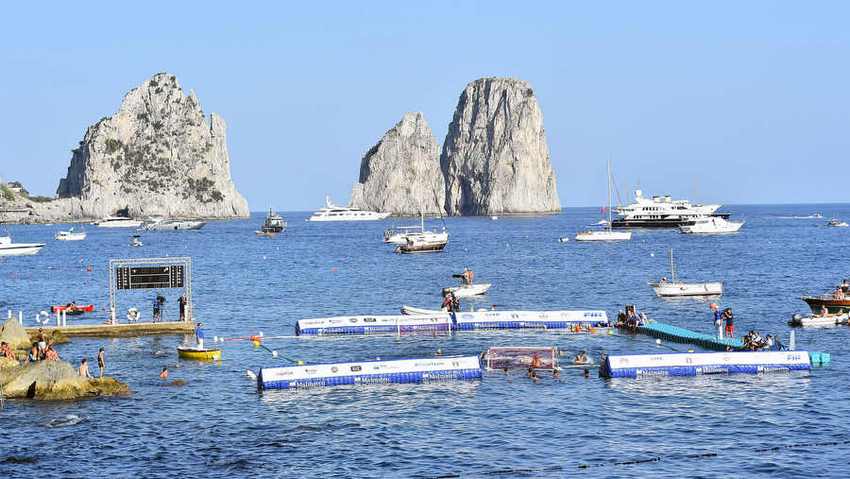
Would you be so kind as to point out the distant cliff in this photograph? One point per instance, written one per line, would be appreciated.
(157, 155)
(401, 173)
(495, 158)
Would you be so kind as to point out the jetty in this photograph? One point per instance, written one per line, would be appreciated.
(117, 330)
(675, 334)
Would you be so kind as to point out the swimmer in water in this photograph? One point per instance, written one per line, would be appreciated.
(556, 373)
(532, 374)
(164, 373)
(581, 358)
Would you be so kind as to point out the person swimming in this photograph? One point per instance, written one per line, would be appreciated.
(581, 358)
(164, 373)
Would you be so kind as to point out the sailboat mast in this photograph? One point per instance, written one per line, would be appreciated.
(672, 266)
(609, 195)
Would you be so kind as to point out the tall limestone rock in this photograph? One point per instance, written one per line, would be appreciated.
(158, 155)
(495, 159)
(401, 173)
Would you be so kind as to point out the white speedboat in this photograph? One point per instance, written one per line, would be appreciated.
(821, 321)
(70, 235)
(836, 223)
(332, 212)
(118, 222)
(8, 248)
(606, 234)
(673, 288)
(712, 225)
(469, 290)
(662, 212)
(162, 224)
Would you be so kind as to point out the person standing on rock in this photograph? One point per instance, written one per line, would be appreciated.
(84, 369)
(101, 362)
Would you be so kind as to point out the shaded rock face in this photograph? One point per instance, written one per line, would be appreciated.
(401, 173)
(158, 155)
(55, 381)
(495, 158)
(13, 333)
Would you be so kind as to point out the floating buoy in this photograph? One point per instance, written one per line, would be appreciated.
(274, 354)
(658, 342)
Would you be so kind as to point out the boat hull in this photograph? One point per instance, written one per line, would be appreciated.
(469, 291)
(604, 236)
(79, 309)
(672, 290)
(422, 247)
(65, 236)
(818, 321)
(832, 305)
(176, 226)
(197, 354)
(660, 222)
(20, 249)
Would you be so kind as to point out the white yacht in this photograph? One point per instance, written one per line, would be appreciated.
(712, 225)
(400, 235)
(606, 234)
(8, 248)
(332, 212)
(70, 235)
(163, 224)
(118, 222)
(662, 212)
(673, 288)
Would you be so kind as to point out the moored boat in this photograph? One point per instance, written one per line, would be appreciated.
(468, 290)
(332, 212)
(173, 225)
(711, 225)
(8, 248)
(429, 243)
(273, 225)
(813, 320)
(198, 354)
(72, 308)
(606, 233)
(673, 288)
(70, 235)
(662, 212)
(832, 303)
(118, 222)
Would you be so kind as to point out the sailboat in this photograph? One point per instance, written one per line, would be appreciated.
(606, 234)
(674, 288)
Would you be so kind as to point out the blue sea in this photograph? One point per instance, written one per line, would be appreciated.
(218, 425)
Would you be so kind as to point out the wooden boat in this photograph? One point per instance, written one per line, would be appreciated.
(198, 354)
(832, 304)
(72, 309)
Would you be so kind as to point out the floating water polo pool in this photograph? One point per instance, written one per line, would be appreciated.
(698, 364)
(399, 371)
(579, 321)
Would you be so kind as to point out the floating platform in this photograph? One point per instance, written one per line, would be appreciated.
(579, 321)
(118, 330)
(400, 371)
(698, 364)
(675, 334)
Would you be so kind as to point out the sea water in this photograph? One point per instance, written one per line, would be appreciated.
(217, 425)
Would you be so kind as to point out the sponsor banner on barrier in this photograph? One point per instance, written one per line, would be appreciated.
(369, 368)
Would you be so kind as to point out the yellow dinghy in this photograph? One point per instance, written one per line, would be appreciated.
(199, 354)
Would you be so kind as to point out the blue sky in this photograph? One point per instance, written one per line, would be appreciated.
(734, 102)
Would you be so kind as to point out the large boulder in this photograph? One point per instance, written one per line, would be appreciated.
(401, 173)
(495, 158)
(13, 333)
(55, 381)
(157, 155)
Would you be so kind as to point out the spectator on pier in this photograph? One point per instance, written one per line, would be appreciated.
(718, 319)
(101, 361)
(84, 369)
(730, 322)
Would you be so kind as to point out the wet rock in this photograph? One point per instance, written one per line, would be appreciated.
(55, 381)
(495, 158)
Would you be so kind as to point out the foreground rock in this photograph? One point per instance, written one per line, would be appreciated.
(495, 158)
(157, 155)
(13, 333)
(54, 381)
(401, 173)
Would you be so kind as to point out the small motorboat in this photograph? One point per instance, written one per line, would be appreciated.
(8, 248)
(711, 225)
(162, 224)
(136, 241)
(70, 235)
(836, 223)
(813, 320)
(468, 290)
(198, 354)
(412, 311)
(72, 308)
(673, 288)
(273, 225)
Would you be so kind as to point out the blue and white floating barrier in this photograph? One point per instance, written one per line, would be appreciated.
(697, 364)
(425, 370)
(445, 322)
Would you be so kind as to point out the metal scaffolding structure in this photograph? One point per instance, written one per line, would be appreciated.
(119, 270)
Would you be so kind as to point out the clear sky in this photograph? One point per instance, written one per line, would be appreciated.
(734, 102)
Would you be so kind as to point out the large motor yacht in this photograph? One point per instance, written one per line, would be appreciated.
(332, 212)
(662, 212)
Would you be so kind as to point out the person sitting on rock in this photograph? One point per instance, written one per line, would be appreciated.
(84, 369)
(34, 354)
(50, 354)
(6, 351)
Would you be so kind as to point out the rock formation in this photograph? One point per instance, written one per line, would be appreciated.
(54, 381)
(495, 159)
(401, 173)
(14, 334)
(158, 155)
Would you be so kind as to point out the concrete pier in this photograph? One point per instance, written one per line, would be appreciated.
(118, 330)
